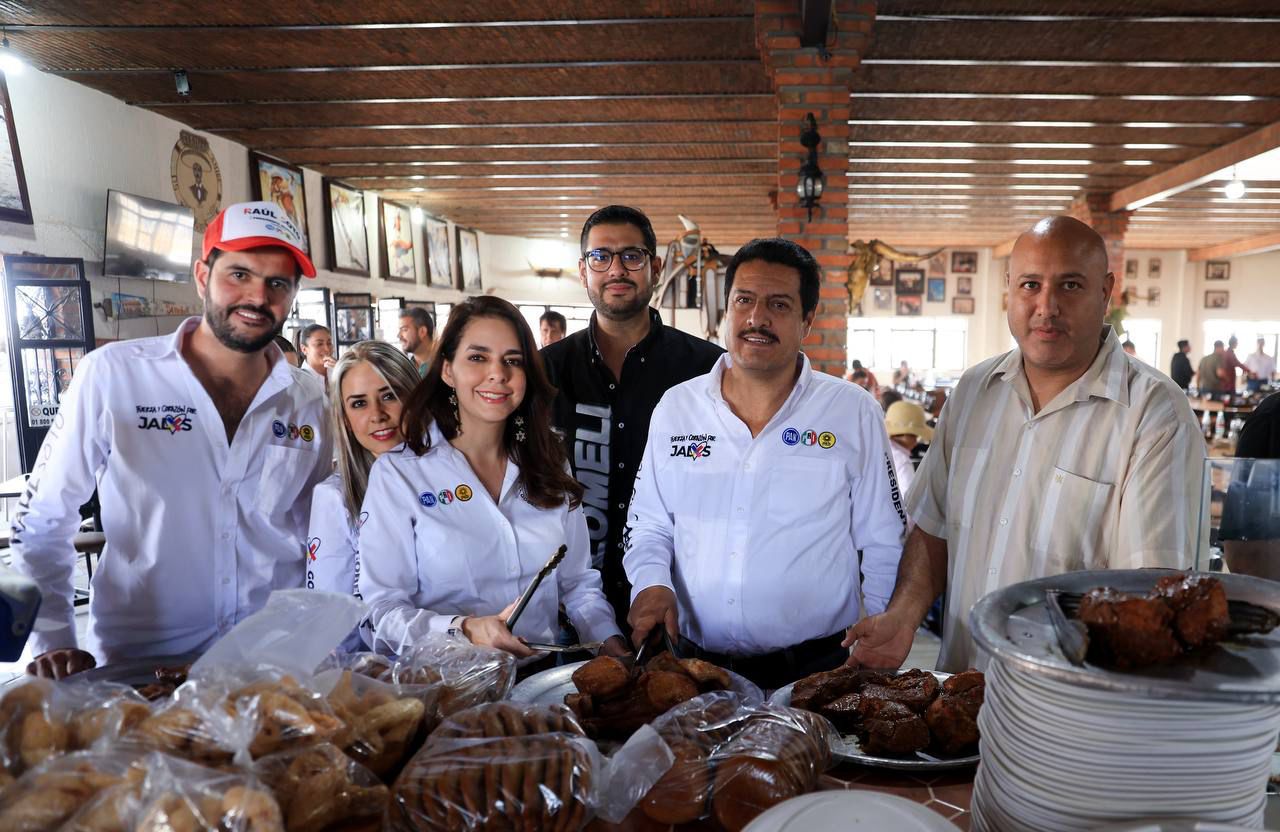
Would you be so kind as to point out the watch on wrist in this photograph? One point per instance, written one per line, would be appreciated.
(455, 626)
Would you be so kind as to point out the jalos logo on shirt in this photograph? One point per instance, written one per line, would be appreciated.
(170, 417)
(693, 446)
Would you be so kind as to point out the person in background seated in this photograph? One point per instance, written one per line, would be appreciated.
(417, 336)
(371, 382)
(861, 378)
(466, 513)
(1261, 365)
(854, 367)
(553, 327)
(902, 375)
(887, 397)
(1180, 366)
(1129, 348)
(316, 345)
(905, 422)
(290, 354)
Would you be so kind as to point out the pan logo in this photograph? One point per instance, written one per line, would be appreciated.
(427, 499)
(278, 428)
(791, 437)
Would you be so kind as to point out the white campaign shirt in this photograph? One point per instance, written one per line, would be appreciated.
(1261, 365)
(902, 466)
(333, 549)
(435, 545)
(759, 538)
(198, 532)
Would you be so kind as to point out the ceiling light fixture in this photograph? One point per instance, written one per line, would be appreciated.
(1235, 188)
(10, 62)
(812, 180)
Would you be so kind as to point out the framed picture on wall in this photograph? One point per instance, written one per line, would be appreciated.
(272, 180)
(937, 290)
(937, 266)
(964, 285)
(469, 261)
(881, 274)
(964, 262)
(1216, 300)
(909, 281)
(962, 306)
(15, 205)
(439, 258)
(1153, 268)
(909, 304)
(346, 239)
(883, 298)
(1131, 270)
(1153, 296)
(395, 239)
(1217, 270)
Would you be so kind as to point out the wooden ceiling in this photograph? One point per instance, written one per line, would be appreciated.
(970, 117)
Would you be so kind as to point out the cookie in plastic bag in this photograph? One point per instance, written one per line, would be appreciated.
(49, 794)
(320, 789)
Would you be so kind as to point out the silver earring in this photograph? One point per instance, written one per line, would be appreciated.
(519, 428)
(457, 417)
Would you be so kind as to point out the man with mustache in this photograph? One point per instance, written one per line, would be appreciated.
(1064, 454)
(204, 446)
(611, 376)
(762, 481)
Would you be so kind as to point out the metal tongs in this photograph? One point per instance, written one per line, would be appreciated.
(652, 646)
(1073, 635)
(527, 595)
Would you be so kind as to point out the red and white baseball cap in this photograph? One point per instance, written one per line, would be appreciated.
(248, 225)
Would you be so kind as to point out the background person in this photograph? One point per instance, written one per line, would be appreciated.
(371, 382)
(1180, 365)
(316, 345)
(417, 336)
(290, 354)
(466, 513)
(1261, 365)
(552, 326)
(905, 422)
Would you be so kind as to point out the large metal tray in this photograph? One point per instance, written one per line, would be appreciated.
(1012, 625)
(550, 686)
(136, 672)
(846, 747)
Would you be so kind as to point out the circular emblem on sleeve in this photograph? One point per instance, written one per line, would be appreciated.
(278, 428)
(427, 499)
(446, 496)
(791, 436)
(463, 492)
(308, 433)
(809, 438)
(826, 439)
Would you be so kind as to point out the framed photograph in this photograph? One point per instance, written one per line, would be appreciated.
(962, 306)
(395, 238)
(937, 266)
(1153, 268)
(964, 285)
(439, 258)
(1131, 270)
(272, 180)
(1153, 296)
(937, 290)
(909, 281)
(909, 304)
(469, 261)
(1217, 270)
(964, 262)
(15, 205)
(881, 274)
(1216, 300)
(883, 298)
(346, 239)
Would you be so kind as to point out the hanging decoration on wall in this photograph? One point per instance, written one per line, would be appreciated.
(693, 277)
(15, 205)
(197, 181)
(866, 262)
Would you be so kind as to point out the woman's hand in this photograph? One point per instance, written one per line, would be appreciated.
(491, 631)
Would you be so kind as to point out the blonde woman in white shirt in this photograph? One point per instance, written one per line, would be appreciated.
(460, 520)
(371, 382)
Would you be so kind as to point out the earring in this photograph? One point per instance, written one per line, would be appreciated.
(519, 428)
(457, 417)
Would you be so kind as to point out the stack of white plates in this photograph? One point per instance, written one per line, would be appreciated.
(1057, 755)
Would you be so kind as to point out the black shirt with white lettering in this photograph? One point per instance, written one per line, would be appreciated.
(605, 422)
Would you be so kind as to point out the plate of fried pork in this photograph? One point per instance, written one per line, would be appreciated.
(915, 719)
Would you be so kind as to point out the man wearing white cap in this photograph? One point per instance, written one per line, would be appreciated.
(204, 446)
(906, 425)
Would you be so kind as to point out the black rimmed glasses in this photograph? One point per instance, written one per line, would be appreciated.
(600, 259)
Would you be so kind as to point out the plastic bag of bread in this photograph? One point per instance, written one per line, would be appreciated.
(471, 675)
(33, 727)
(178, 796)
(99, 713)
(386, 722)
(49, 794)
(287, 714)
(499, 766)
(198, 724)
(320, 789)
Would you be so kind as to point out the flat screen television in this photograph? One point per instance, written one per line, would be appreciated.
(147, 238)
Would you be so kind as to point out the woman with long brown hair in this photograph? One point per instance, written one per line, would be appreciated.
(460, 520)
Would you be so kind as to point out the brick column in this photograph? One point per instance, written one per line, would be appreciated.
(807, 82)
(1094, 210)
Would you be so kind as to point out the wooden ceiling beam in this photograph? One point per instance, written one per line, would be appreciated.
(1197, 171)
(1004, 249)
(1236, 248)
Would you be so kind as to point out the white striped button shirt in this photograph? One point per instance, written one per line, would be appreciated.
(1107, 475)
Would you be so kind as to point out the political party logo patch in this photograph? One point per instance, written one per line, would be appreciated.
(313, 546)
(445, 496)
(307, 433)
(692, 446)
(808, 438)
(278, 428)
(427, 499)
(293, 431)
(791, 437)
(463, 492)
(826, 440)
(173, 418)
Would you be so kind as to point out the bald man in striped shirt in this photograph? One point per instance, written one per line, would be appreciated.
(1064, 454)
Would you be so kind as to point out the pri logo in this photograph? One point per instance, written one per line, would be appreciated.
(809, 437)
(446, 497)
(791, 437)
(313, 546)
(427, 499)
(278, 428)
(463, 492)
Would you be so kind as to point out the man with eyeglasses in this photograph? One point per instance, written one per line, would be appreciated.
(611, 376)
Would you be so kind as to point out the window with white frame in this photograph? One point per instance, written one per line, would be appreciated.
(1246, 332)
(1145, 335)
(934, 348)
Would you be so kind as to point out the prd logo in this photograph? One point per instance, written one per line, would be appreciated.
(791, 436)
(463, 492)
(809, 438)
(307, 433)
(427, 499)
(446, 497)
(826, 440)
